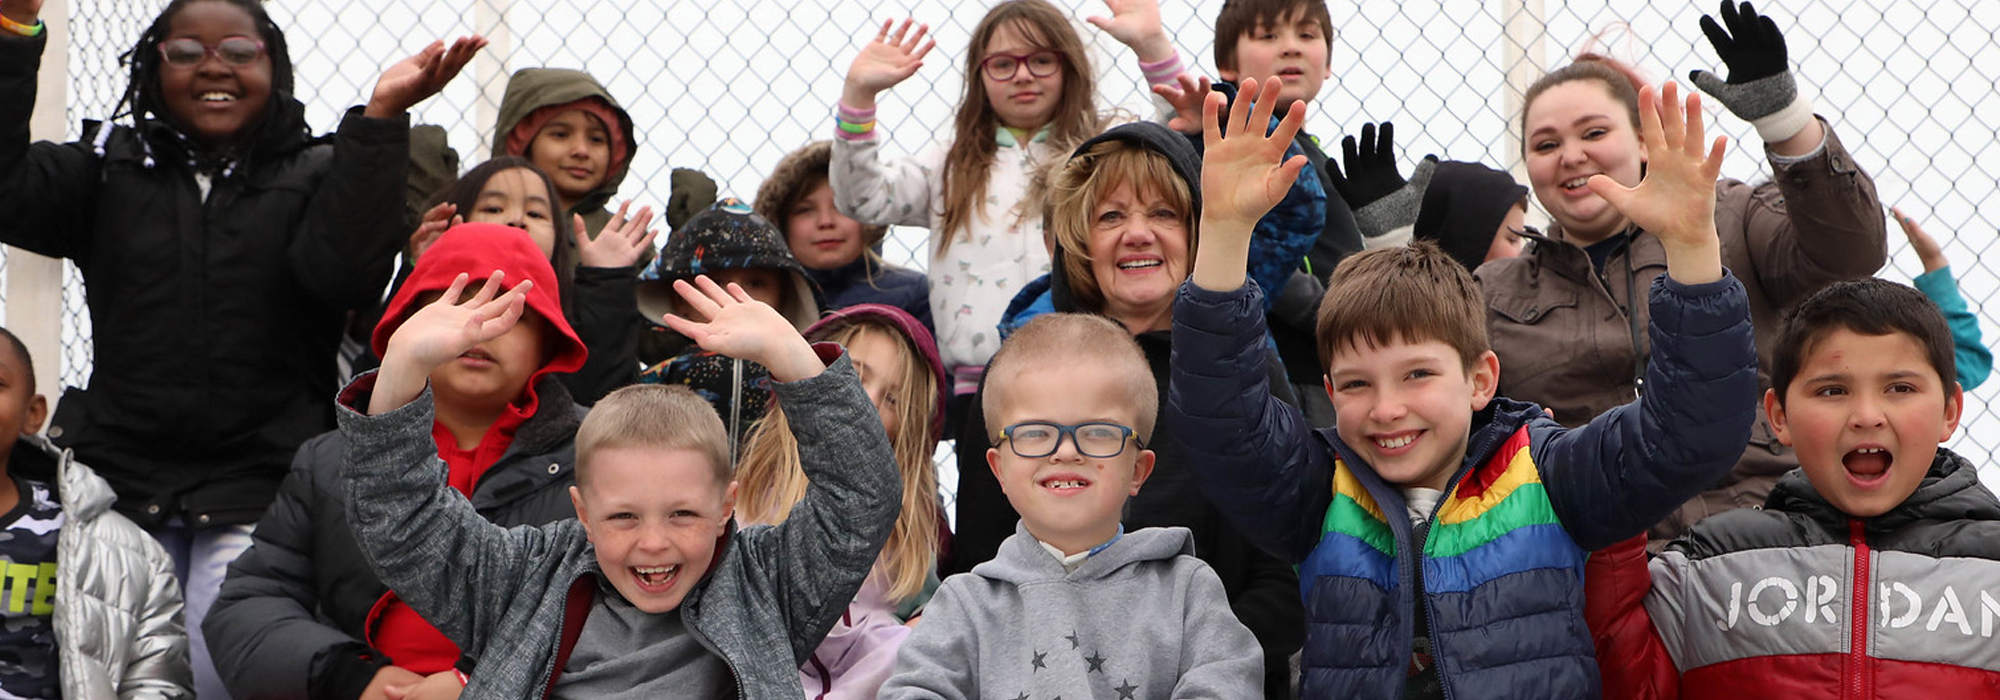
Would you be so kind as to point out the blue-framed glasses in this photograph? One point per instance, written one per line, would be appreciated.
(1037, 439)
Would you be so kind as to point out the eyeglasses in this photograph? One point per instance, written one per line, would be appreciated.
(1001, 67)
(235, 51)
(1038, 439)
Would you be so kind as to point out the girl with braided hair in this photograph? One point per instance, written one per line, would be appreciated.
(221, 244)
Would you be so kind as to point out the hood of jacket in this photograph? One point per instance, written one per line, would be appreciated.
(533, 89)
(1022, 559)
(912, 330)
(726, 236)
(1463, 207)
(806, 165)
(1950, 491)
(477, 250)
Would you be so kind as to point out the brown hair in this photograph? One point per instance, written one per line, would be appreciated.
(657, 416)
(1619, 78)
(1867, 306)
(1410, 293)
(1073, 339)
(969, 163)
(771, 480)
(1240, 17)
(1084, 181)
(796, 176)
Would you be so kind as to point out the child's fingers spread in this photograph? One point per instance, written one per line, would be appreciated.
(1712, 167)
(736, 292)
(488, 290)
(925, 50)
(696, 298)
(1239, 110)
(692, 330)
(455, 289)
(1696, 126)
(1211, 124)
(717, 296)
(883, 34)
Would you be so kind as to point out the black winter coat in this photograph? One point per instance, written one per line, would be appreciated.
(292, 618)
(214, 320)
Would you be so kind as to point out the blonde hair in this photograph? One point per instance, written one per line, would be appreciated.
(771, 480)
(659, 416)
(1084, 181)
(1072, 339)
(969, 163)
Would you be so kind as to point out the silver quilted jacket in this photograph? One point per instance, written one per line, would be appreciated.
(119, 631)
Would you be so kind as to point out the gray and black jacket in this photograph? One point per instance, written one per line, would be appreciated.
(294, 616)
(516, 598)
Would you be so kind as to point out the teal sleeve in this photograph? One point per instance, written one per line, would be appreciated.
(1974, 361)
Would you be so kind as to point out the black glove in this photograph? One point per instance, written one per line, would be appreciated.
(1760, 88)
(1370, 167)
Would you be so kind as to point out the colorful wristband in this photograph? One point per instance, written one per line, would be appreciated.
(853, 128)
(1164, 71)
(27, 30)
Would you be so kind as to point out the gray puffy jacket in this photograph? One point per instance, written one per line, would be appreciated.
(119, 631)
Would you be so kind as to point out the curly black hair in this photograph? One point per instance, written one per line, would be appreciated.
(142, 94)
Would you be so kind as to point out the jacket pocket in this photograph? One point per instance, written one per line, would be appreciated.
(1534, 333)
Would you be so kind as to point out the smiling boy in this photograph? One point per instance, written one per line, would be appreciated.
(651, 591)
(1870, 571)
(1071, 399)
(1441, 531)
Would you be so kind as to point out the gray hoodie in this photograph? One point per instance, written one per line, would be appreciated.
(503, 594)
(1141, 620)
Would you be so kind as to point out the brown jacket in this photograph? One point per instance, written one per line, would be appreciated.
(1565, 340)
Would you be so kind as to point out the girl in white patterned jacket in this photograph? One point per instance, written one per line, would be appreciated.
(1028, 100)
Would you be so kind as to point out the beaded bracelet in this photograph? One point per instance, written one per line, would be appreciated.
(19, 29)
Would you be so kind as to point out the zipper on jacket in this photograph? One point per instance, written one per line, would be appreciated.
(695, 630)
(1857, 617)
(1430, 611)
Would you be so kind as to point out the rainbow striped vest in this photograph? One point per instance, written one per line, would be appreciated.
(1502, 580)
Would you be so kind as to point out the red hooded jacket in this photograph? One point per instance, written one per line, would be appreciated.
(476, 250)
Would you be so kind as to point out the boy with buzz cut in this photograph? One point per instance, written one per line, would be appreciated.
(1441, 532)
(1073, 605)
(1871, 571)
(651, 591)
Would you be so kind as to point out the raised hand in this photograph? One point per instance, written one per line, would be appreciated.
(1760, 88)
(1676, 199)
(1187, 97)
(621, 242)
(418, 77)
(1243, 175)
(1928, 251)
(743, 328)
(443, 330)
(1136, 23)
(886, 60)
(1368, 167)
(436, 221)
(21, 11)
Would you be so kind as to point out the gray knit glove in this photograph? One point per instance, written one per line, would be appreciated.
(690, 191)
(1760, 88)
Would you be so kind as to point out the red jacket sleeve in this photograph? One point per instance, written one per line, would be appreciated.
(1631, 657)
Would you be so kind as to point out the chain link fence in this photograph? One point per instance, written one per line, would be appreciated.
(730, 86)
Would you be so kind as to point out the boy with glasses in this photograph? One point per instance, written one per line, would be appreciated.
(1072, 403)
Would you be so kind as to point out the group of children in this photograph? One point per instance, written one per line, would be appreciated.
(507, 506)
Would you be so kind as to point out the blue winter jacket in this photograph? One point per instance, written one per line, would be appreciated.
(1502, 564)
